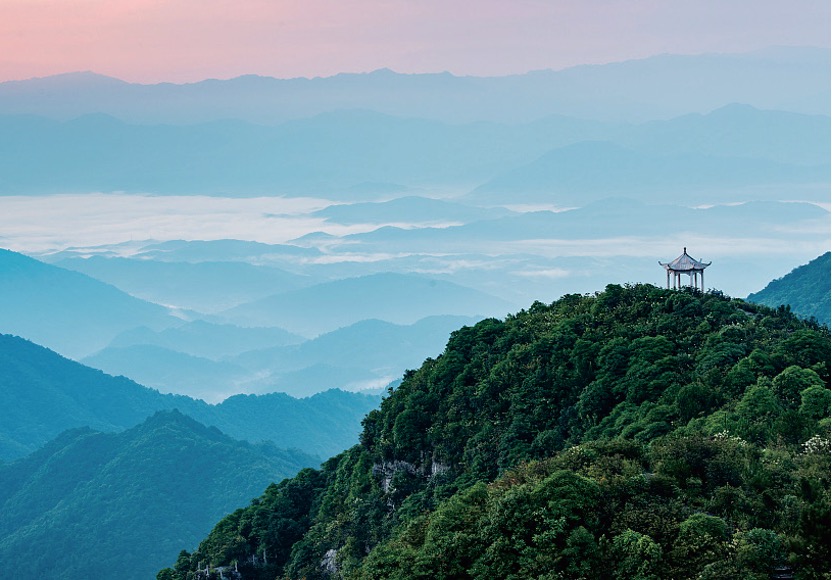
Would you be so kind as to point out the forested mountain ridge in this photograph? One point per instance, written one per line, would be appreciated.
(50, 394)
(634, 433)
(89, 502)
(806, 290)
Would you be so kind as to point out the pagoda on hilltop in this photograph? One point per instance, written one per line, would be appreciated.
(684, 264)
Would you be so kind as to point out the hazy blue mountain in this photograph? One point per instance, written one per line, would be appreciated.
(606, 217)
(68, 311)
(378, 344)
(205, 339)
(364, 354)
(100, 505)
(332, 152)
(320, 376)
(171, 371)
(204, 286)
(397, 298)
(789, 78)
(49, 394)
(737, 131)
(367, 354)
(222, 251)
(410, 209)
(806, 290)
(582, 172)
(335, 152)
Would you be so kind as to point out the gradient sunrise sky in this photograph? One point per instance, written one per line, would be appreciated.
(188, 40)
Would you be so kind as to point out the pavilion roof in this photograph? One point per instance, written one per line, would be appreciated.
(685, 263)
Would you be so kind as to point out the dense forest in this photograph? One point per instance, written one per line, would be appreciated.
(87, 502)
(635, 433)
(806, 290)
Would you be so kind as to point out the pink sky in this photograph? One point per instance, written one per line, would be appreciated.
(188, 40)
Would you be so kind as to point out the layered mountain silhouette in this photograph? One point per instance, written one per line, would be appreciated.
(206, 286)
(554, 159)
(392, 297)
(787, 78)
(68, 311)
(50, 394)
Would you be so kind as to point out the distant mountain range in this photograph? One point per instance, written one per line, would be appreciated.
(68, 311)
(104, 505)
(337, 154)
(571, 175)
(204, 286)
(50, 394)
(199, 359)
(806, 290)
(206, 339)
(610, 217)
(397, 298)
(410, 209)
(787, 78)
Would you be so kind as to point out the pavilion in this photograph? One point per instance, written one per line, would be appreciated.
(684, 264)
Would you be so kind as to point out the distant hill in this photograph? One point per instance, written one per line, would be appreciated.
(737, 130)
(396, 298)
(411, 209)
(588, 171)
(614, 216)
(225, 250)
(212, 362)
(335, 152)
(67, 311)
(203, 286)
(105, 505)
(209, 340)
(49, 394)
(170, 371)
(369, 353)
(340, 152)
(659, 87)
(806, 290)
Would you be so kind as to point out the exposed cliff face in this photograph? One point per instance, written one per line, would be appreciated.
(593, 433)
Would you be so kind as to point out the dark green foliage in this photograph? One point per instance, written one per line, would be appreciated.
(805, 290)
(636, 433)
(89, 504)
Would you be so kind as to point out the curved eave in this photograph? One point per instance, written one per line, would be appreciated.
(699, 267)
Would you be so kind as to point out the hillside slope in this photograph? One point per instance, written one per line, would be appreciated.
(90, 503)
(806, 290)
(638, 432)
(68, 311)
(44, 394)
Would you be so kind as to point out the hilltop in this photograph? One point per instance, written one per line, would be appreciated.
(639, 431)
(806, 290)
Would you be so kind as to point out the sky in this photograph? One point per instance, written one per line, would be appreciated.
(149, 41)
